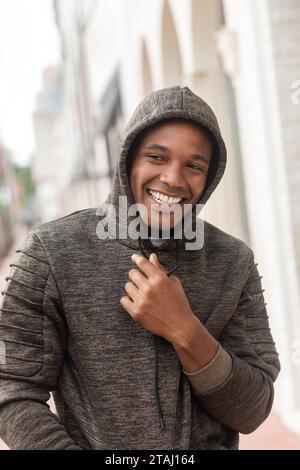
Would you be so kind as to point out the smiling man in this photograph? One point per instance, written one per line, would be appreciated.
(168, 168)
(145, 343)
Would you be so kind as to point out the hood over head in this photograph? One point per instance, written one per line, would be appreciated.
(167, 103)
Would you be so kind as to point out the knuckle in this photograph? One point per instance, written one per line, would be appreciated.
(133, 272)
(159, 279)
(137, 313)
(143, 303)
(162, 276)
(147, 291)
(142, 264)
(155, 282)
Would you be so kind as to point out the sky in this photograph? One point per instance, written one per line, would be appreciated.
(29, 42)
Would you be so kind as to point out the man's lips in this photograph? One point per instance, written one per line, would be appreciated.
(161, 206)
(183, 198)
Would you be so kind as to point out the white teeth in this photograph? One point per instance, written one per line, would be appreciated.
(163, 198)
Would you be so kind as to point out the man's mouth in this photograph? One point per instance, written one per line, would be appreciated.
(163, 199)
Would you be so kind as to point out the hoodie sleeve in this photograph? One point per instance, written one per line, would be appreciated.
(32, 345)
(245, 397)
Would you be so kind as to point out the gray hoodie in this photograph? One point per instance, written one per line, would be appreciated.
(115, 385)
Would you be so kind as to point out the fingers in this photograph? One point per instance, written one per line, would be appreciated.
(154, 260)
(144, 265)
(148, 267)
(127, 304)
(137, 278)
(131, 290)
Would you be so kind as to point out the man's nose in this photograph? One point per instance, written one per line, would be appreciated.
(173, 176)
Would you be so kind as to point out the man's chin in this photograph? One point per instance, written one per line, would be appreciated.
(160, 221)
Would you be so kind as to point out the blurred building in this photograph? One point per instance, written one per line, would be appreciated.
(91, 113)
(46, 164)
(6, 232)
(243, 58)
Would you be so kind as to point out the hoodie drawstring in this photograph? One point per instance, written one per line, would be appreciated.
(155, 338)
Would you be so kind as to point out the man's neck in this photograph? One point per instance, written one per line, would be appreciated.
(158, 234)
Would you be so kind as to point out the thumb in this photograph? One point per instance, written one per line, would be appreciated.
(154, 260)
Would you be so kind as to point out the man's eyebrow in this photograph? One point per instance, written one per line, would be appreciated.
(163, 148)
(200, 157)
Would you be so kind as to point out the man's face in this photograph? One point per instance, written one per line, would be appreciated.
(170, 166)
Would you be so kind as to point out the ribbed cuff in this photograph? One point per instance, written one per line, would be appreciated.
(213, 374)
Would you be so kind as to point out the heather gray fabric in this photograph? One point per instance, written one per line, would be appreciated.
(65, 331)
(215, 373)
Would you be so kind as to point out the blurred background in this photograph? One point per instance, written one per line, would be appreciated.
(71, 74)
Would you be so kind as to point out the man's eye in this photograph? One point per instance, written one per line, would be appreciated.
(195, 167)
(156, 157)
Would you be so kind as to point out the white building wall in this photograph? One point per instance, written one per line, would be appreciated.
(285, 34)
(45, 164)
(266, 182)
(86, 28)
(165, 29)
